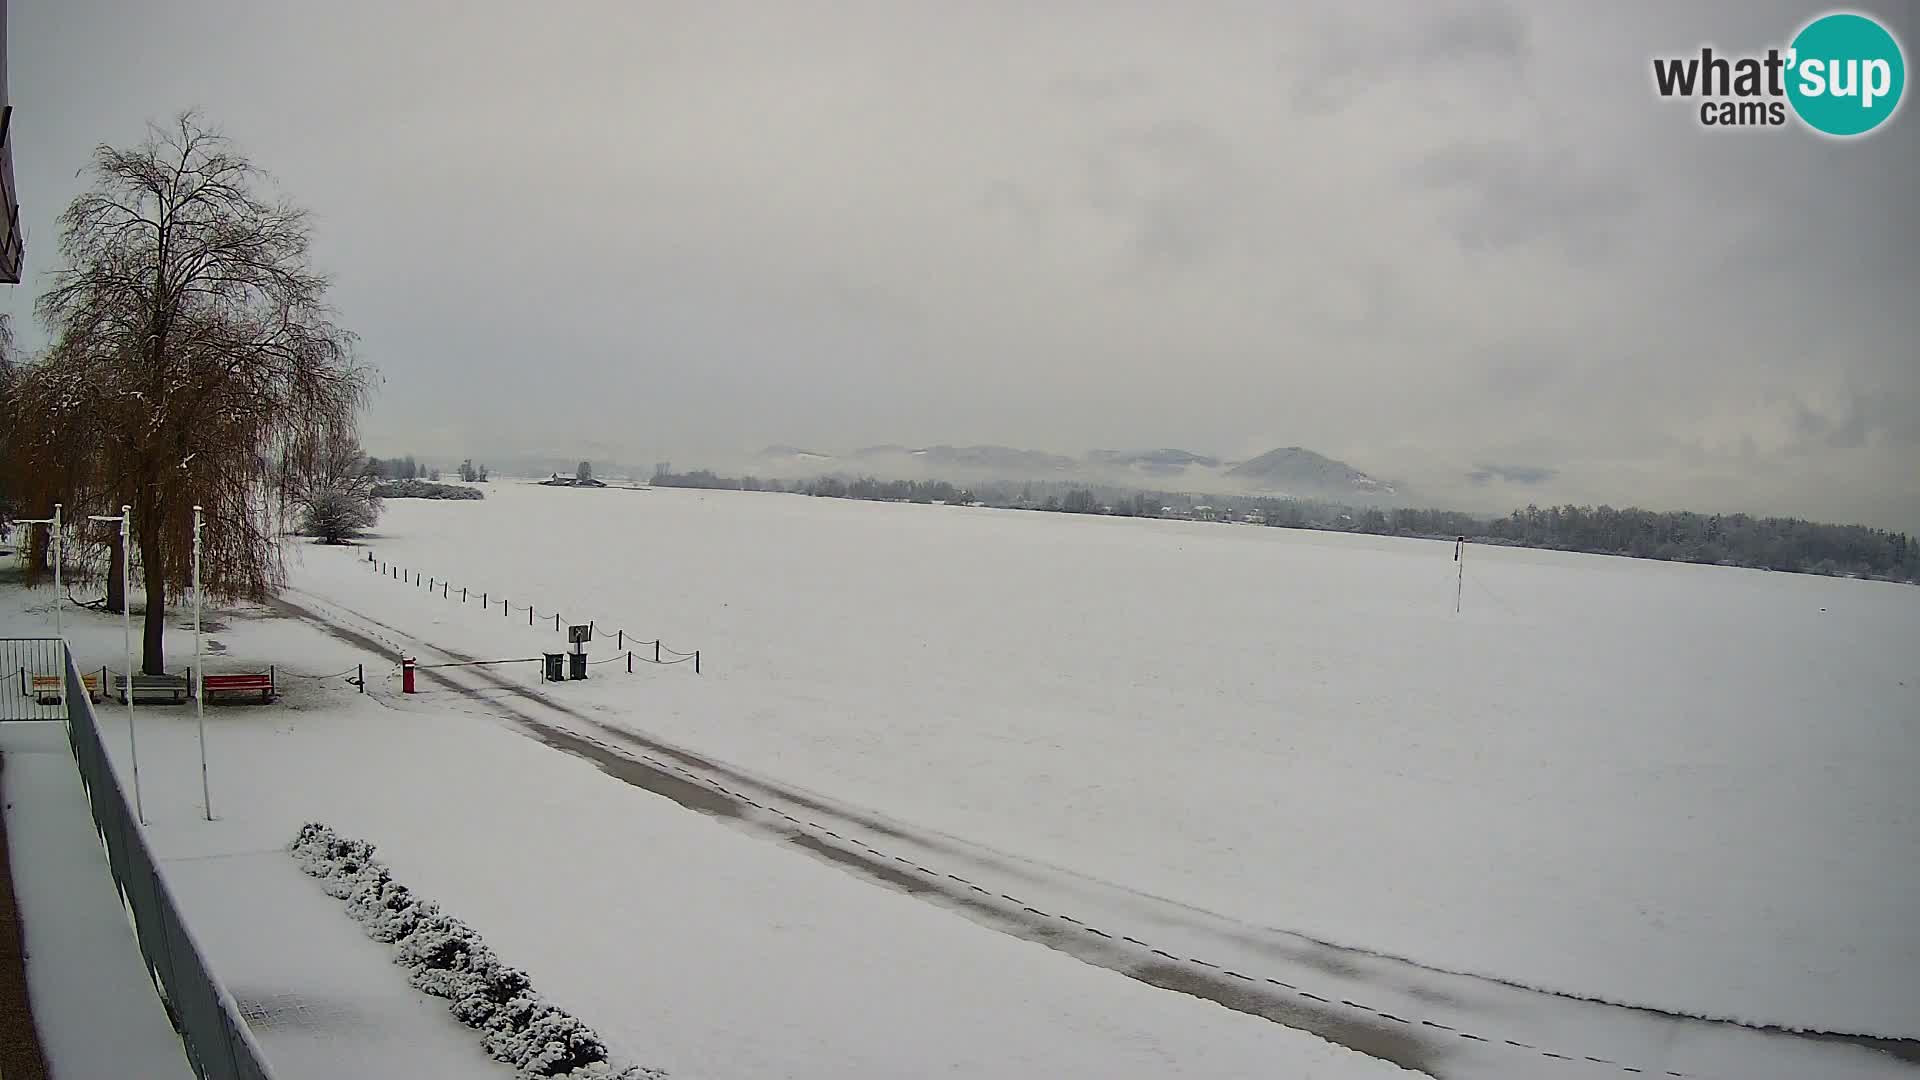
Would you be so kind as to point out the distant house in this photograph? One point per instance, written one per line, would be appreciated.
(1203, 513)
(556, 480)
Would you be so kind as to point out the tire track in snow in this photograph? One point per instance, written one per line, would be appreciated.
(1376, 1032)
(1374, 1039)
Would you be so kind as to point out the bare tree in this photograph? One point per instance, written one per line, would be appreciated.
(336, 497)
(214, 371)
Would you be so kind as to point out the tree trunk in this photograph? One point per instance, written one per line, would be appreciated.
(116, 591)
(40, 553)
(153, 652)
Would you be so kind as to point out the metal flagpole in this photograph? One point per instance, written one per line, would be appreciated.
(199, 676)
(59, 597)
(126, 628)
(53, 523)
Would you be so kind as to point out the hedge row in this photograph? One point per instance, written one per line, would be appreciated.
(446, 958)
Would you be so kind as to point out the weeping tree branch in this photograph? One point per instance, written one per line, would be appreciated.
(196, 360)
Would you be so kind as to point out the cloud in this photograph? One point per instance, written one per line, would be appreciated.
(1418, 237)
(1512, 474)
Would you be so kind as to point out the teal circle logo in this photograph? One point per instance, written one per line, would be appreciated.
(1845, 74)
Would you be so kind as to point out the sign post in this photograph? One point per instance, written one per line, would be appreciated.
(578, 636)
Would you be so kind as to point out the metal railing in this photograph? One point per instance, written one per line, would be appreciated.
(33, 683)
(218, 1042)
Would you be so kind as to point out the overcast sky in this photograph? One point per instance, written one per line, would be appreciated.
(1418, 237)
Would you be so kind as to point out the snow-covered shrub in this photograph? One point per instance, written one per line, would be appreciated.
(446, 958)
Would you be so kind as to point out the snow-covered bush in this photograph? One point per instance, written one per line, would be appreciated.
(446, 958)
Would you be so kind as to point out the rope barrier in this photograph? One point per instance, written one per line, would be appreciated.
(444, 588)
(297, 675)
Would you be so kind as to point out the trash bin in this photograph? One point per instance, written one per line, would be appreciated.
(554, 672)
(576, 665)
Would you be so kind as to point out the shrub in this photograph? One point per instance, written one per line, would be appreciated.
(446, 958)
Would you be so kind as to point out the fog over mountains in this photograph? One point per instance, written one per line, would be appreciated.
(1291, 470)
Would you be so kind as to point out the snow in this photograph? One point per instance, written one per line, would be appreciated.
(93, 1001)
(1685, 787)
(1673, 786)
(688, 945)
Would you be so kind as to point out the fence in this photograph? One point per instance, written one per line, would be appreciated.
(219, 1044)
(622, 639)
(22, 661)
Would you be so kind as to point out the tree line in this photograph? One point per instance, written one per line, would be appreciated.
(1769, 543)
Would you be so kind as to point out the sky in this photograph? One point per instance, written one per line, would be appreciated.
(1459, 245)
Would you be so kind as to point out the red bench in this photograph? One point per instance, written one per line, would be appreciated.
(255, 682)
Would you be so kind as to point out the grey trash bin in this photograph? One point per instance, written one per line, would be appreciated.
(576, 665)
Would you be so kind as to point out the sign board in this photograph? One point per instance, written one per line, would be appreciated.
(580, 635)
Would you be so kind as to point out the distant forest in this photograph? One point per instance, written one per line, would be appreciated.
(1768, 543)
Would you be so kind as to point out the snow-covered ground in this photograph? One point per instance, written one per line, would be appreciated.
(687, 944)
(1679, 786)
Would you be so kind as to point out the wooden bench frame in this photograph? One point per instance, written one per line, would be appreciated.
(177, 688)
(52, 689)
(241, 682)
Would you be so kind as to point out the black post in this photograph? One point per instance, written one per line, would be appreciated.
(363, 677)
(463, 594)
(629, 661)
(696, 661)
(444, 588)
(556, 620)
(619, 639)
(656, 650)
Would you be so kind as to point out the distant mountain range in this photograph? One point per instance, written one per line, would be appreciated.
(1289, 470)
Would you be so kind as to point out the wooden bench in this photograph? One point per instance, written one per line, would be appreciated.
(249, 682)
(52, 689)
(171, 689)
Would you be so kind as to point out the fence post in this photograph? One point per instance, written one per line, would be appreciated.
(444, 588)
(656, 650)
(629, 661)
(696, 661)
(529, 614)
(463, 594)
(556, 620)
(619, 639)
(363, 677)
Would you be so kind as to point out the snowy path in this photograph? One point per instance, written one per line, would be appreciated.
(1436, 1022)
(93, 1001)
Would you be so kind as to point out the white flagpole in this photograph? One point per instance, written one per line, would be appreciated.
(199, 676)
(126, 629)
(59, 597)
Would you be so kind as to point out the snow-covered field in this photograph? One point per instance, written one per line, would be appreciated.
(1682, 787)
(1685, 787)
(686, 944)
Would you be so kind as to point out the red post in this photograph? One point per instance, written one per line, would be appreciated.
(406, 675)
